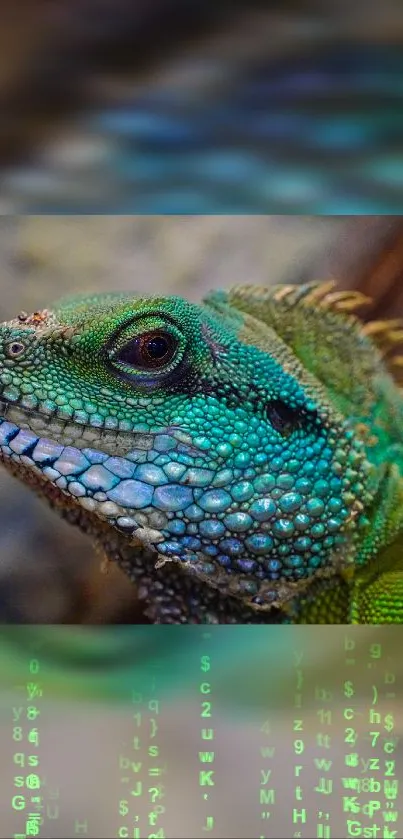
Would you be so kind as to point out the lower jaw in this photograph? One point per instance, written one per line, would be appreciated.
(89, 515)
(32, 458)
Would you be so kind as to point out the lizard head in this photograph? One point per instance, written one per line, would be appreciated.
(186, 430)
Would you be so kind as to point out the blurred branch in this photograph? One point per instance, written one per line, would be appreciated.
(379, 273)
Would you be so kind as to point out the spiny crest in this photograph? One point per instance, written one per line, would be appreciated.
(322, 295)
(386, 335)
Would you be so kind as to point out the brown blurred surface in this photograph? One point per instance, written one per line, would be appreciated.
(379, 274)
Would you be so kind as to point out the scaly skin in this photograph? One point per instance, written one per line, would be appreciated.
(241, 459)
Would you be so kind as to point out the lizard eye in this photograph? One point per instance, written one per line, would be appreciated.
(149, 351)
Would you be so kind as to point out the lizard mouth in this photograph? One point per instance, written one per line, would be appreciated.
(108, 473)
(80, 435)
(69, 432)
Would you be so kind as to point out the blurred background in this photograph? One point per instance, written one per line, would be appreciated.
(49, 572)
(170, 106)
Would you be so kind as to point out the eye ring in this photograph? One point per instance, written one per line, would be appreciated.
(15, 349)
(150, 351)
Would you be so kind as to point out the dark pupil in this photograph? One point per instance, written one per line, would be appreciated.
(148, 351)
(157, 347)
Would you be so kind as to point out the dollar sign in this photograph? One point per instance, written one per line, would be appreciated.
(205, 663)
(389, 722)
(123, 808)
(348, 689)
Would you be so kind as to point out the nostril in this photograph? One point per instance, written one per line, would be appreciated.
(14, 349)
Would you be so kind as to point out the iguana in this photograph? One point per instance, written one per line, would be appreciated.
(241, 459)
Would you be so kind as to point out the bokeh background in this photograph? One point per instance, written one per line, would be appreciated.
(170, 106)
(49, 572)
